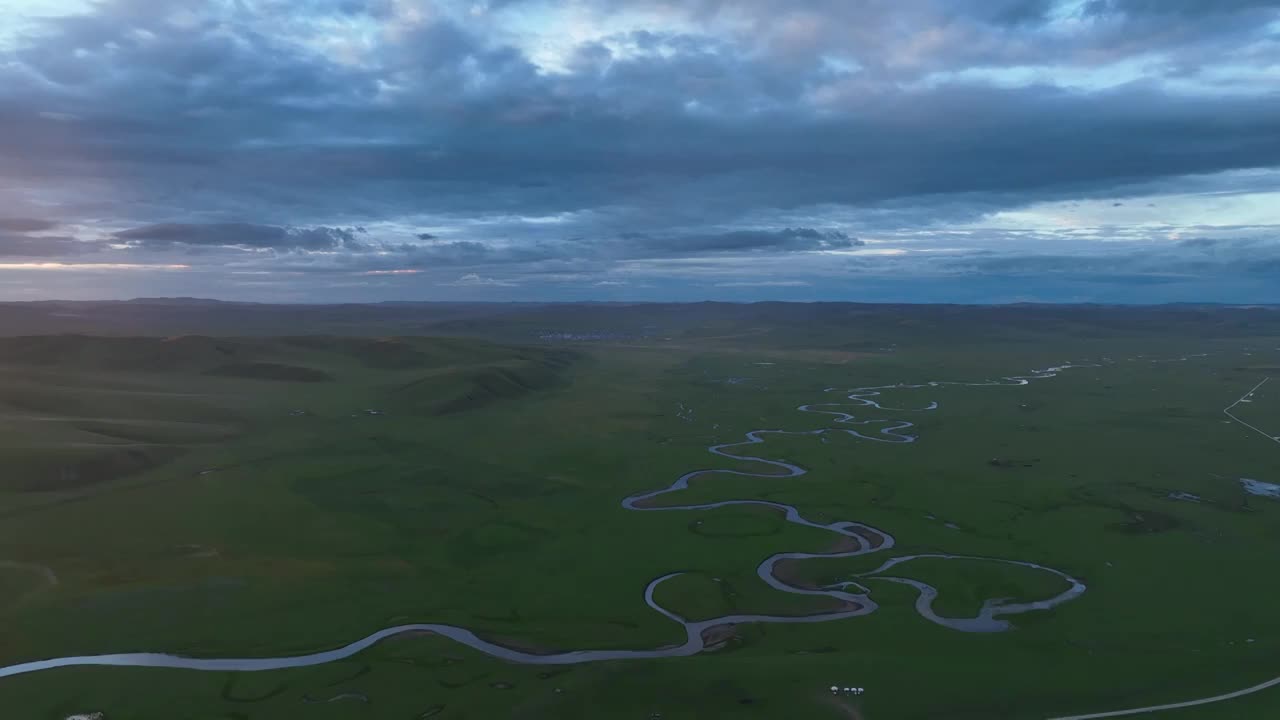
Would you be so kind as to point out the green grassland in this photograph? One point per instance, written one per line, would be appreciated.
(235, 497)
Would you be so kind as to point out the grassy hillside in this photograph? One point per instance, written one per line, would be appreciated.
(848, 326)
(82, 410)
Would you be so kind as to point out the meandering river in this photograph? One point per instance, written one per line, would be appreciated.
(855, 539)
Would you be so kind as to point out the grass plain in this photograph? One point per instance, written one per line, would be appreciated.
(280, 494)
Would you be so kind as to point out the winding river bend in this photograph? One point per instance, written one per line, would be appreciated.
(853, 596)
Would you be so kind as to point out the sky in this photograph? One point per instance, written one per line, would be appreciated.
(985, 151)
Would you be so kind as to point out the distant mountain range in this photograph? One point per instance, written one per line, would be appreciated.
(822, 324)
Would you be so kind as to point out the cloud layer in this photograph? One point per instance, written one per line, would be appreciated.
(388, 149)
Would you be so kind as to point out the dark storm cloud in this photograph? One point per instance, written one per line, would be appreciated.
(905, 38)
(576, 255)
(382, 257)
(1185, 8)
(1224, 257)
(997, 141)
(787, 239)
(268, 125)
(636, 245)
(17, 239)
(239, 235)
(997, 12)
(26, 225)
(14, 245)
(465, 252)
(1247, 254)
(1201, 243)
(1008, 12)
(751, 130)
